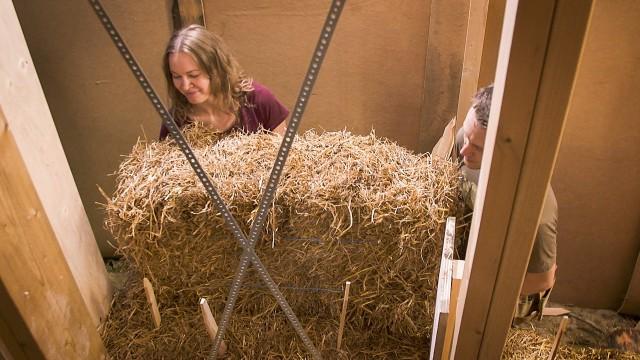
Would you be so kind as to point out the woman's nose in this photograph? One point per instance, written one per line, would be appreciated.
(184, 84)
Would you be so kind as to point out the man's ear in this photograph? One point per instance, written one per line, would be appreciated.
(444, 147)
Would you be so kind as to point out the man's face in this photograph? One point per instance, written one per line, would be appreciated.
(473, 141)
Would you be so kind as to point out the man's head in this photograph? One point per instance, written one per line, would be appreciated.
(475, 128)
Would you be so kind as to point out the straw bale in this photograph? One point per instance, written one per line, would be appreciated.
(348, 207)
(527, 344)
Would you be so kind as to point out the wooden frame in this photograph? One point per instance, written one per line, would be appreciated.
(481, 51)
(539, 53)
(42, 313)
(443, 68)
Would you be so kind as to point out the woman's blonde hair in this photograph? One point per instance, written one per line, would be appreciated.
(228, 81)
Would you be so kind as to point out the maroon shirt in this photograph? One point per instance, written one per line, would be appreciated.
(262, 109)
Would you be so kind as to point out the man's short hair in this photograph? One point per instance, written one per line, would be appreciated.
(481, 104)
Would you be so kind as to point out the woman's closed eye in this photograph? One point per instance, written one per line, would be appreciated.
(190, 75)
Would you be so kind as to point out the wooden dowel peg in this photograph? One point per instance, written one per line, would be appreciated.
(151, 298)
(556, 343)
(343, 315)
(211, 325)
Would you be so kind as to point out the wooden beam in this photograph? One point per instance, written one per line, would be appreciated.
(42, 312)
(16, 341)
(33, 130)
(539, 53)
(481, 51)
(443, 68)
(188, 12)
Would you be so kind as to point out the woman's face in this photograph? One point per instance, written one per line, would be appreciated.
(189, 78)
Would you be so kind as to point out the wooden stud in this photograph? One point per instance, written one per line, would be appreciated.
(443, 68)
(481, 51)
(343, 315)
(151, 298)
(42, 312)
(556, 342)
(539, 54)
(211, 326)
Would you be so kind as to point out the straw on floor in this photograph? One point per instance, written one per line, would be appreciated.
(526, 344)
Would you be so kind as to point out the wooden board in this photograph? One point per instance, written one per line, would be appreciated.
(443, 68)
(481, 51)
(36, 138)
(42, 312)
(456, 279)
(440, 318)
(539, 52)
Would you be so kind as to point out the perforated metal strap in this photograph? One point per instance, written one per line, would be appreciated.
(270, 190)
(248, 255)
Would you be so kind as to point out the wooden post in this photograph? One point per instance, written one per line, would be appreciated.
(211, 326)
(556, 342)
(481, 51)
(188, 12)
(153, 305)
(343, 315)
(443, 68)
(42, 312)
(539, 54)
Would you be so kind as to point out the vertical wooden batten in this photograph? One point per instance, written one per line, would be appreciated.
(42, 312)
(481, 51)
(31, 126)
(443, 68)
(539, 53)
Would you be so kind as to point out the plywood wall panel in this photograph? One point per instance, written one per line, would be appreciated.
(372, 77)
(598, 169)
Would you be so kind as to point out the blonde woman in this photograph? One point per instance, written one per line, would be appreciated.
(207, 85)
